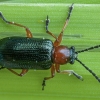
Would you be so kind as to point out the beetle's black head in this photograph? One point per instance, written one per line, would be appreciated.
(73, 55)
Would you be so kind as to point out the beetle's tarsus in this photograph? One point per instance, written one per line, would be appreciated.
(43, 84)
(47, 22)
(99, 79)
(71, 7)
(78, 76)
(70, 10)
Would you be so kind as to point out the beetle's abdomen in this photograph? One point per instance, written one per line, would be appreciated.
(26, 53)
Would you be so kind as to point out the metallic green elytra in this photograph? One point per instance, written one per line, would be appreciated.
(26, 53)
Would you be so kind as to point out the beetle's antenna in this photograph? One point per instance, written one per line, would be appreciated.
(97, 46)
(88, 69)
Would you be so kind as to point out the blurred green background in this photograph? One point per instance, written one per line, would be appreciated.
(82, 32)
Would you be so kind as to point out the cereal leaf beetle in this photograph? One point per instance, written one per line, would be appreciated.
(41, 54)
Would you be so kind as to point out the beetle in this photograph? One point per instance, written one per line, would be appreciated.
(41, 54)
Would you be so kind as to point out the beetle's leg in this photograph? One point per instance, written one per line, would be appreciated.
(24, 71)
(59, 39)
(47, 23)
(71, 72)
(52, 75)
(68, 17)
(28, 32)
(57, 67)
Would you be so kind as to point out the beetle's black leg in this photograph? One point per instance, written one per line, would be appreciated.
(78, 76)
(43, 84)
(47, 78)
(47, 23)
(29, 34)
(68, 17)
(59, 38)
(71, 72)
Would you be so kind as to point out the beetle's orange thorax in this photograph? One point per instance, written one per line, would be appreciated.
(61, 54)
